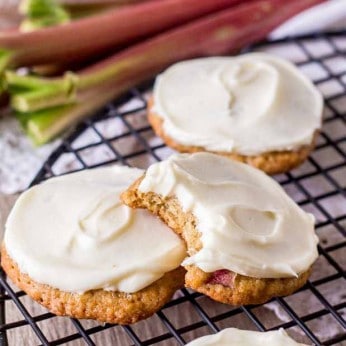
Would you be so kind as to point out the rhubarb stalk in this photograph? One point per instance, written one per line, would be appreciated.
(42, 13)
(41, 126)
(221, 33)
(97, 2)
(83, 8)
(31, 93)
(5, 58)
(94, 35)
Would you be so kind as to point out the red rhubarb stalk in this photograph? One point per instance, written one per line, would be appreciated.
(217, 34)
(93, 35)
(83, 8)
(97, 2)
(221, 33)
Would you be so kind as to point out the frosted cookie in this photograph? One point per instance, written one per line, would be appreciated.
(247, 240)
(255, 108)
(73, 247)
(238, 337)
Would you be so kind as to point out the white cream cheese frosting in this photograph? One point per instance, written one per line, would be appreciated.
(247, 222)
(238, 337)
(248, 104)
(73, 233)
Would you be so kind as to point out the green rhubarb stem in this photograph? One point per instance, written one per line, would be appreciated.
(27, 82)
(95, 35)
(30, 93)
(42, 13)
(5, 59)
(40, 99)
(44, 125)
(110, 69)
(220, 33)
(41, 126)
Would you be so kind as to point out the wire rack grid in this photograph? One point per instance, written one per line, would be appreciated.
(120, 134)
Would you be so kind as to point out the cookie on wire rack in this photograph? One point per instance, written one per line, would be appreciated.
(255, 108)
(247, 241)
(72, 246)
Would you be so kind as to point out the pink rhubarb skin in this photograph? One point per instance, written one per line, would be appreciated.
(98, 2)
(94, 35)
(222, 277)
(221, 33)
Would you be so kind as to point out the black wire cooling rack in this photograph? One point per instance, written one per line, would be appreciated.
(120, 134)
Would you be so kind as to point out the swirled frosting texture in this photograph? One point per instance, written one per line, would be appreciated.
(73, 233)
(250, 104)
(247, 223)
(237, 337)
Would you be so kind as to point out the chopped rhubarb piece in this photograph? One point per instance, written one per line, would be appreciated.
(222, 277)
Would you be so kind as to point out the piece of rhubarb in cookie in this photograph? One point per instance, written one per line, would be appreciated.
(247, 240)
(72, 246)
